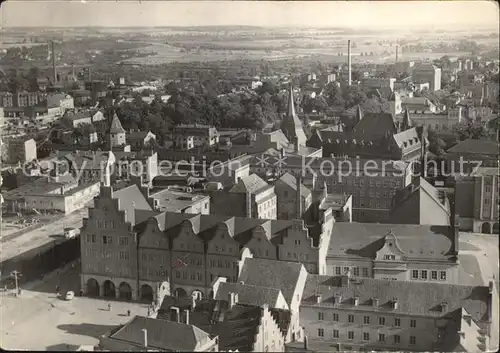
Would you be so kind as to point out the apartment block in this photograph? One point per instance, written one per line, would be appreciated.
(380, 315)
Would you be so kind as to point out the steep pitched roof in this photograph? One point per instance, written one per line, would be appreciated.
(406, 123)
(250, 183)
(162, 334)
(116, 126)
(291, 181)
(249, 294)
(375, 125)
(417, 298)
(273, 274)
(365, 239)
(291, 124)
(132, 201)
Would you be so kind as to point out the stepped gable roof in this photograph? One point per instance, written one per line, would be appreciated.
(162, 334)
(415, 241)
(414, 298)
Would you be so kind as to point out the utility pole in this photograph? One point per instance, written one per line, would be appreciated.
(16, 274)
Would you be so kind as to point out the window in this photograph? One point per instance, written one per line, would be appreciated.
(414, 274)
(297, 242)
(389, 257)
(177, 274)
(337, 270)
(124, 241)
(321, 316)
(366, 336)
(365, 272)
(397, 322)
(442, 275)
(434, 275)
(350, 318)
(124, 255)
(366, 320)
(335, 317)
(356, 271)
(346, 269)
(413, 339)
(350, 335)
(104, 239)
(423, 274)
(381, 320)
(413, 323)
(321, 332)
(397, 339)
(381, 337)
(335, 333)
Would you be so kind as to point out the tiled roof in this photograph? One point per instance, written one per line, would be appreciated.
(250, 183)
(132, 201)
(248, 294)
(375, 125)
(291, 181)
(162, 334)
(486, 171)
(365, 239)
(89, 160)
(476, 146)
(272, 274)
(416, 298)
(410, 137)
(116, 126)
(137, 135)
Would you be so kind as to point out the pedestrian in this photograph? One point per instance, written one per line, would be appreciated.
(81, 292)
(19, 291)
(128, 312)
(109, 306)
(57, 289)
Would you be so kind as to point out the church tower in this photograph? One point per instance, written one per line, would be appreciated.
(116, 133)
(291, 126)
(406, 123)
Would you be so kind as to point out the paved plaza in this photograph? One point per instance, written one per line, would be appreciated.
(39, 320)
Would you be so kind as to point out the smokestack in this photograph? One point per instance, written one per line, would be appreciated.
(73, 71)
(349, 62)
(397, 52)
(90, 74)
(54, 62)
(145, 337)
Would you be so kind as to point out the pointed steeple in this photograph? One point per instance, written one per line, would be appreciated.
(406, 123)
(291, 124)
(116, 126)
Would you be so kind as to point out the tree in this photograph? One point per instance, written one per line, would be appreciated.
(470, 131)
(333, 95)
(353, 96)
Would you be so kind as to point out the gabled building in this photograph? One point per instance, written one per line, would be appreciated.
(259, 194)
(138, 140)
(131, 251)
(293, 198)
(421, 203)
(117, 134)
(423, 253)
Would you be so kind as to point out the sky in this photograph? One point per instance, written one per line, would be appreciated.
(353, 14)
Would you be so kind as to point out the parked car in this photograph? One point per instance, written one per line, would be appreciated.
(70, 295)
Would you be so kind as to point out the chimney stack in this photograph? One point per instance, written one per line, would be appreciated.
(232, 300)
(175, 314)
(397, 52)
(349, 62)
(54, 62)
(145, 337)
(187, 316)
(90, 74)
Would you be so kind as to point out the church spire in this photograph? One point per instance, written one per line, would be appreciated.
(359, 114)
(291, 126)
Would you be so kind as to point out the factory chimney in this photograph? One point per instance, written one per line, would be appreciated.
(90, 74)
(349, 62)
(397, 52)
(54, 62)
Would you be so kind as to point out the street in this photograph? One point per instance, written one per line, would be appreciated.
(39, 320)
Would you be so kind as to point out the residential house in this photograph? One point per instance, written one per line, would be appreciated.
(430, 73)
(138, 140)
(293, 198)
(199, 135)
(18, 150)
